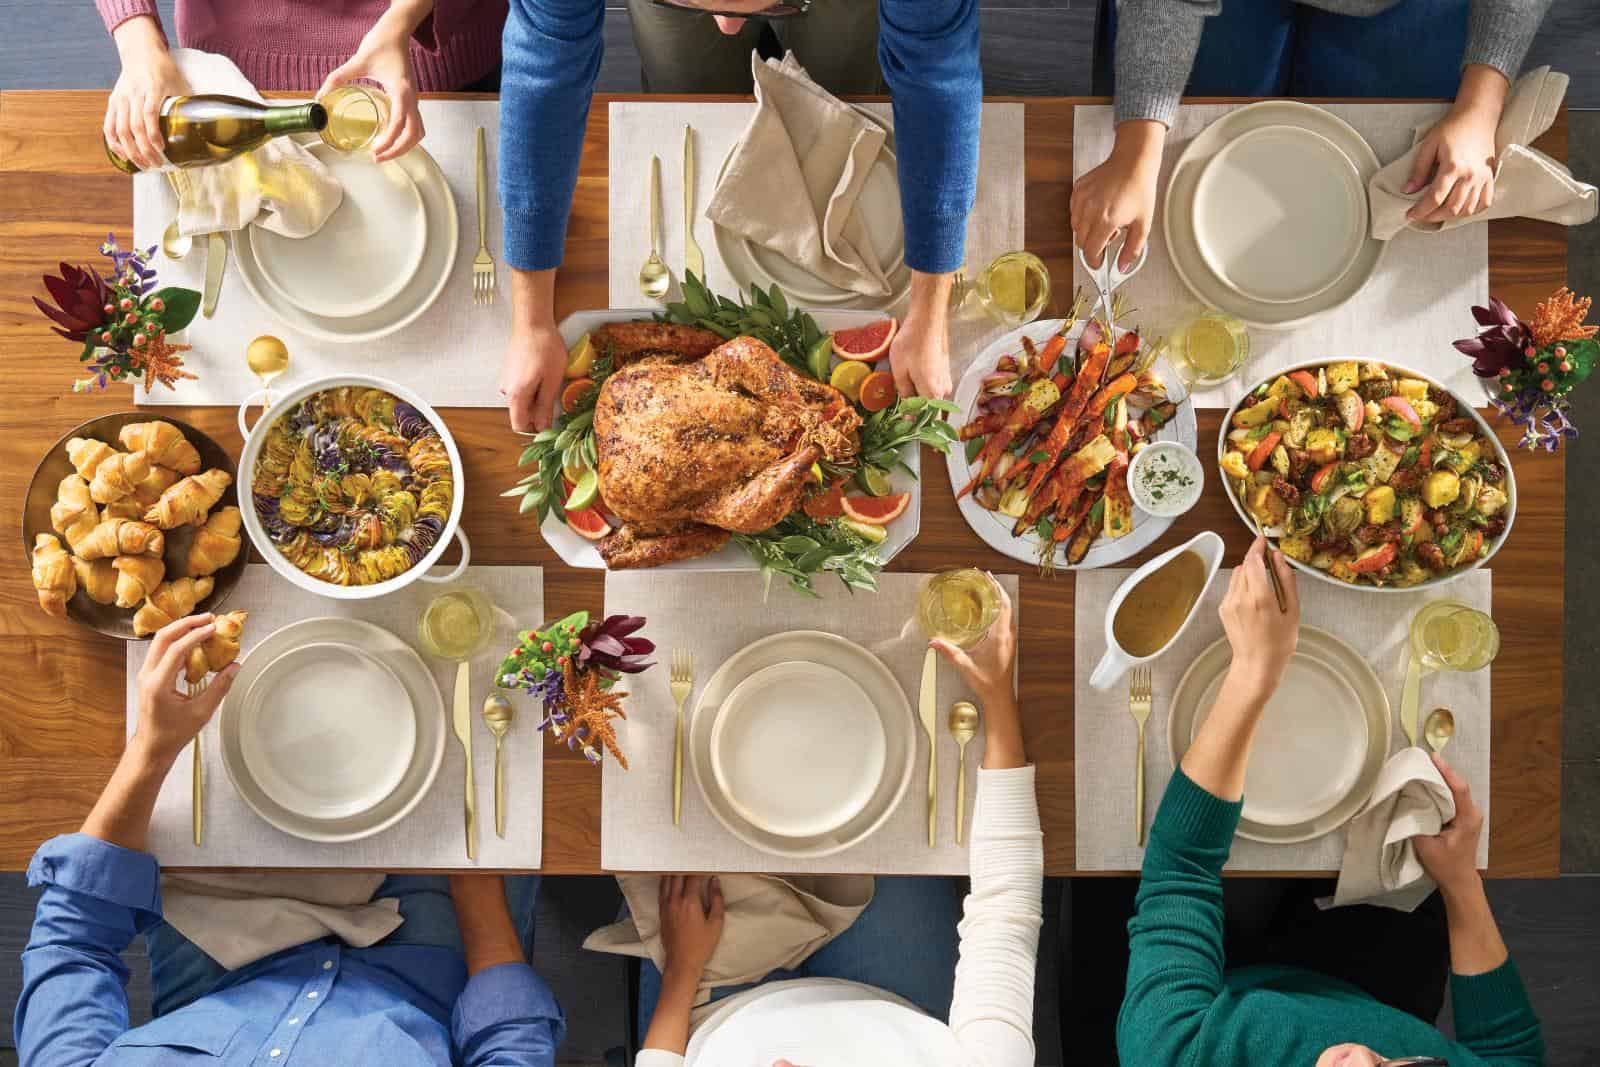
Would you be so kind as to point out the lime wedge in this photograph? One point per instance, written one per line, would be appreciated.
(875, 480)
(873, 534)
(820, 358)
(583, 493)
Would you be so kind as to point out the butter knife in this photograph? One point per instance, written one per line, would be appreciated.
(462, 721)
(216, 263)
(694, 260)
(928, 707)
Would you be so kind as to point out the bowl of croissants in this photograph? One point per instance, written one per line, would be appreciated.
(131, 523)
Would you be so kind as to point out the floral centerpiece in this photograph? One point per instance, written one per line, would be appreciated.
(1537, 364)
(122, 320)
(572, 667)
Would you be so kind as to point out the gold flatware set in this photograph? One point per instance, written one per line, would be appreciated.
(1139, 701)
(681, 681)
(483, 276)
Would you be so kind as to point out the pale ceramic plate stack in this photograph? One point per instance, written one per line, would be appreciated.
(801, 744)
(1266, 214)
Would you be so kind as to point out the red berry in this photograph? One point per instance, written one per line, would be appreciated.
(1561, 352)
(130, 318)
(561, 660)
(110, 309)
(547, 647)
(1508, 388)
(1547, 385)
(157, 304)
(105, 336)
(138, 340)
(1528, 351)
(1505, 372)
(1564, 367)
(1543, 367)
(125, 303)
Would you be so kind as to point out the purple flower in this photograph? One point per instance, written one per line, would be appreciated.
(606, 645)
(1501, 344)
(80, 298)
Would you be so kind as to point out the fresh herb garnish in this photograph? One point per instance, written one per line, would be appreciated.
(800, 547)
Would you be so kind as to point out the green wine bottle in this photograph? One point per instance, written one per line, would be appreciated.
(205, 129)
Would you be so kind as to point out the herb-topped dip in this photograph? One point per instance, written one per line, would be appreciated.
(1166, 478)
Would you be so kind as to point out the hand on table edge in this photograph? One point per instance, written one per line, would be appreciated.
(535, 364)
(919, 355)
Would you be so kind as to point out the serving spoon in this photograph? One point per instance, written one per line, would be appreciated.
(654, 278)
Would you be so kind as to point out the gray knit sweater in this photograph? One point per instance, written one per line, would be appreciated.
(1157, 39)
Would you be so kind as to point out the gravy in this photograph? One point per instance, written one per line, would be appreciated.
(1155, 608)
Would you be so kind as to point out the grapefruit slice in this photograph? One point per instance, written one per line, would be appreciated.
(589, 522)
(865, 343)
(828, 504)
(876, 510)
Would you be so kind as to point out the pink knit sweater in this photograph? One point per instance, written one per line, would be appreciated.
(294, 44)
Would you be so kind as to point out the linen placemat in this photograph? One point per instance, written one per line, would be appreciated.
(1105, 738)
(1417, 301)
(433, 834)
(714, 615)
(640, 130)
(450, 354)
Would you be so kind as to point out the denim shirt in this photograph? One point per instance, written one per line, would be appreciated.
(321, 1003)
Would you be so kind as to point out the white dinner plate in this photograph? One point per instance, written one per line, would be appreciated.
(1296, 779)
(798, 749)
(1177, 214)
(1280, 214)
(327, 730)
(888, 700)
(367, 251)
(995, 528)
(428, 715)
(407, 305)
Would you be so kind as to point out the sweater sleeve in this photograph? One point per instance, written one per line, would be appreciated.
(1494, 1018)
(1155, 49)
(1500, 32)
(929, 53)
(991, 1012)
(551, 51)
(115, 12)
(1175, 964)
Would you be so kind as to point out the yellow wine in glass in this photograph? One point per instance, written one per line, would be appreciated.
(1447, 635)
(959, 606)
(355, 115)
(456, 625)
(1015, 288)
(1210, 348)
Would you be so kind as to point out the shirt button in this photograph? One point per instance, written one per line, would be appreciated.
(311, 995)
(275, 1053)
(327, 965)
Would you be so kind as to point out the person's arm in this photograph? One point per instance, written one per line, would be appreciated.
(691, 925)
(132, 126)
(384, 56)
(100, 887)
(506, 1015)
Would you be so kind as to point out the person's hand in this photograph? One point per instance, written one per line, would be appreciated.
(691, 921)
(384, 56)
(919, 355)
(1262, 637)
(1455, 159)
(988, 667)
(149, 76)
(167, 719)
(1451, 856)
(531, 375)
(1119, 194)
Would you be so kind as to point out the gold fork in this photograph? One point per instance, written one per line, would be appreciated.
(197, 794)
(483, 263)
(1139, 708)
(682, 682)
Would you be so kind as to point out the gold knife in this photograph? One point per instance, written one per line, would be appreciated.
(693, 259)
(928, 706)
(463, 727)
(216, 262)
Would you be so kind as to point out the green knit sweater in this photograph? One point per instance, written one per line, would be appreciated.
(1184, 1007)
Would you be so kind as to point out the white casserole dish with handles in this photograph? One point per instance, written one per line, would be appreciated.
(253, 440)
(1463, 407)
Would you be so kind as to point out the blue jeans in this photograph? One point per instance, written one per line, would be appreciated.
(1284, 48)
(905, 942)
(180, 973)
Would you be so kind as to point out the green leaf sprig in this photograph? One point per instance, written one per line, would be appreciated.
(799, 547)
(766, 315)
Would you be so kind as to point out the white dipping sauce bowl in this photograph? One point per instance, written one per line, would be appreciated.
(1176, 497)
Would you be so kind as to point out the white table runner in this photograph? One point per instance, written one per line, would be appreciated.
(1416, 303)
(715, 615)
(1105, 736)
(432, 835)
(640, 130)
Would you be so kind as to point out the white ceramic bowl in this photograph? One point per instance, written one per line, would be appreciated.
(1175, 500)
(254, 437)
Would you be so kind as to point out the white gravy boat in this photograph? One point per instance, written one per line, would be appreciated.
(1116, 662)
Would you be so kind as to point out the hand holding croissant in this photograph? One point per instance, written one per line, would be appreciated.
(220, 649)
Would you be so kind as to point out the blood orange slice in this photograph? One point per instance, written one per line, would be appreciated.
(876, 510)
(589, 522)
(865, 343)
(828, 504)
(877, 390)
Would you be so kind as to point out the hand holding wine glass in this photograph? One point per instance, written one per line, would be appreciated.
(384, 56)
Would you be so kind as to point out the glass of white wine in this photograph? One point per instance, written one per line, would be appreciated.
(457, 624)
(355, 115)
(1447, 635)
(1210, 348)
(1014, 289)
(959, 606)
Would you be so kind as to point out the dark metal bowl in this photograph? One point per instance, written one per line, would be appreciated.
(54, 466)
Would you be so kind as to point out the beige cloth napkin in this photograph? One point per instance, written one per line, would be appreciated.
(280, 186)
(240, 918)
(1380, 865)
(769, 923)
(1527, 182)
(793, 182)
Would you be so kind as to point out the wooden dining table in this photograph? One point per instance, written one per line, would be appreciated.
(61, 686)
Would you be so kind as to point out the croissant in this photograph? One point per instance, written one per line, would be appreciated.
(86, 454)
(170, 602)
(163, 443)
(216, 544)
(149, 490)
(116, 476)
(53, 575)
(220, 649)
(97, 577)
(189, 500)
(73, 514)
(122, 537)
(126, 508)
(137, 578)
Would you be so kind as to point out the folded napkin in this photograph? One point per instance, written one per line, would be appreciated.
(237, 919)
(793, 182)
(768, 923)
(1380, 866)
(1527, 182)
(280, 186)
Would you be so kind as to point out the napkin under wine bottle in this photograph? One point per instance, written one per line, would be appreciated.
(794, 181)
(1380, 865)
(1527, 182)
(280, 186)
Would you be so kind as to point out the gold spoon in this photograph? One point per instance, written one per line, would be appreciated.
(963, 727)
(497, 716)
(654, 278)
(1439, 728)
(268, 357)
(175, 245)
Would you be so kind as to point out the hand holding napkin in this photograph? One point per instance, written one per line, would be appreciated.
(280, 186)
(1527, 182)
(793, 182)
(1380, 865)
